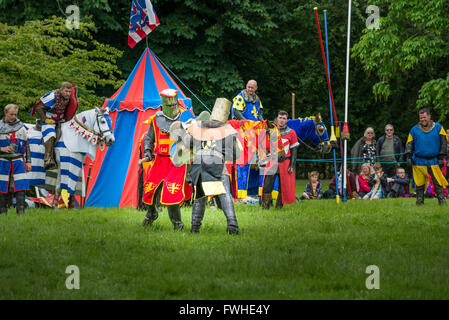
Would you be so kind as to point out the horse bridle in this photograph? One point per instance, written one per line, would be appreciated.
(102, 132)
(319, 137)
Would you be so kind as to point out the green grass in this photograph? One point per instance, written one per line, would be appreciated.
(308, 250)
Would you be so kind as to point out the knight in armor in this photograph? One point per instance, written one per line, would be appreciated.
(53, 108)
(15, 160)
(283, 167)
(163, 179)
(425, 149)
(213, 143)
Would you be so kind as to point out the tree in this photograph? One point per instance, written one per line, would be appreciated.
(408, 54)
(38, 56)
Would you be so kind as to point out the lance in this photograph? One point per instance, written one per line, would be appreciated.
(326, 68)
(87, 183)
(333, 137)
(345, 132)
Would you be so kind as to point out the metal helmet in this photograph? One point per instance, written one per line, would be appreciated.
(170, 105)
(221, 110)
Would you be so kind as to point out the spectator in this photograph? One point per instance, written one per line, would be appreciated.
(363, 179)
(378, 184)
(313, 188)
(247, 105)
(351, 187)
(399, 185)
(364, 150)
(390, 147)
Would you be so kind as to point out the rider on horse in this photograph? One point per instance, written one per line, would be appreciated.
(53, 108)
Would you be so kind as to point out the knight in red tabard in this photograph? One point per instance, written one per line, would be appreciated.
(163, 178)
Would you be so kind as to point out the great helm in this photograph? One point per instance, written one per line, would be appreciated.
(170, 105)
(221, 110)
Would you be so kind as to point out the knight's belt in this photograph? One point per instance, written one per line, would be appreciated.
(428, 158)
(13, 157)
(209, 152)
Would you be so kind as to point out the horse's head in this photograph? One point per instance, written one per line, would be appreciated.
(103, 125)
(320, 137)
(313, 129)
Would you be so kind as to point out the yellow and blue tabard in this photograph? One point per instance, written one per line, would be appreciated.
(250, 110)
(426, 149)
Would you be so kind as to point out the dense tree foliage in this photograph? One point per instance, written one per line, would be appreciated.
(39, 55)
(409, 53)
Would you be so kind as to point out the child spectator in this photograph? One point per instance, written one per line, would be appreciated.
(363, 179)
(313, 188)
(400, 184)
(378, 184)
(351, 188)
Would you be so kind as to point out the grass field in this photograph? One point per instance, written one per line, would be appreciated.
(308, 250)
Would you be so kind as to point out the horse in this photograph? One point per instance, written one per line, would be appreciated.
(80, 136)
(311, 128)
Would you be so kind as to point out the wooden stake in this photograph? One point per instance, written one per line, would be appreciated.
(293, 106)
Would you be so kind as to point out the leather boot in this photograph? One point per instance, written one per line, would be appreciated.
(4, 203)
(279, 203)
(439, 191)
(266, 201)
(198, 209)
(49, 161)
(174, 213)
(419, 195)
(151, 216)
(20, 202)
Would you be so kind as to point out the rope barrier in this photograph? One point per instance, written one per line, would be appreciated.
(331, 159)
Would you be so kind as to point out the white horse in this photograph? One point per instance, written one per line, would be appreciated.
(79, 137)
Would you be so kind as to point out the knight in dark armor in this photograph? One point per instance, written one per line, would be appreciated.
(163, 178)
(15, 160)
(213, 143)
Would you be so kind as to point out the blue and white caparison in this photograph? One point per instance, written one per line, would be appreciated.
(79, 137)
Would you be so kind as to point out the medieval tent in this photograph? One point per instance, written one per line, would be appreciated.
(113, 176)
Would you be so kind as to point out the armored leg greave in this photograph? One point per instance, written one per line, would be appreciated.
(150, 216)
(4, 203)
(227, 205)
(174, 213)
(20, 202)
(420, 195)
(198, 208)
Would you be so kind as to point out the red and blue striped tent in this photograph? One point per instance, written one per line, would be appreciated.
(114, 174)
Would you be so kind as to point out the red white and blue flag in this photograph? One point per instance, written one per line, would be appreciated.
(142, 21)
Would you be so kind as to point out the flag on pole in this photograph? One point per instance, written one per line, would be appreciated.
(142, 21)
